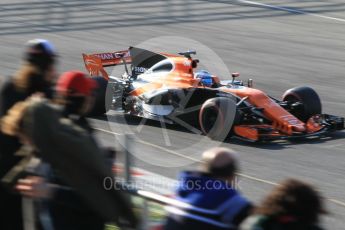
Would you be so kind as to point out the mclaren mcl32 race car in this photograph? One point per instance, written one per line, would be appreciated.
(168, 88)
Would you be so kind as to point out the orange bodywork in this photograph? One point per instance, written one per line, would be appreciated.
(182, 76)
(282, 120)
(247, 132)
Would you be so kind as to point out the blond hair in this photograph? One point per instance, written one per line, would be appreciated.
(21, 79)
(10, 124)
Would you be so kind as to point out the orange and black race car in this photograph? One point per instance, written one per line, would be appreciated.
(167, 87)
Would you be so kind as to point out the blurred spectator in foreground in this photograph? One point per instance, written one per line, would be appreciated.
(211, 192)
(36, 75)
(292, 205)
(74, 91)
(72, 152)
(67, 207)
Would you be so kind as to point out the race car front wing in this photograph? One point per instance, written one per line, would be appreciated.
(264, 132)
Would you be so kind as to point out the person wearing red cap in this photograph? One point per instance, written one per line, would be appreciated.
(69, 191)
(68, 209)
(35, 75)
(75, 83)
(75, 91)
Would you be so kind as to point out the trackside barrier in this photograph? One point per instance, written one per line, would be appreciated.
(155, 198)
(147, 196)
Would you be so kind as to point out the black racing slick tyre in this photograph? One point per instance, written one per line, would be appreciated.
(216, 117)
(102, 99)
(310, 100)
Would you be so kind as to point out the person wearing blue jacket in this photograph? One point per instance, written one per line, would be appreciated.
(210, 194)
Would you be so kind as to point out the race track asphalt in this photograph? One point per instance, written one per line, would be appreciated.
(279, 44)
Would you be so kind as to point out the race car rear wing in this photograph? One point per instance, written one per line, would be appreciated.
(95, 63)
(140, 60)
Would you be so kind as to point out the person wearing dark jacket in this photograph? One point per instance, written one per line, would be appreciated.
(74, 91)
(34, 76)
(68, 209)
(76, 159)
(292, 205)
(210, 194)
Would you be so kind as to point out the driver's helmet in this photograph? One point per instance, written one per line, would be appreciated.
(205, 77)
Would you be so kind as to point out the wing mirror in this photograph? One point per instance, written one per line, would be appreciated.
(234, 75)
(195, 63)
(250, 83)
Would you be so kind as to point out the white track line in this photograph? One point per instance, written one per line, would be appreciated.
(340, 203)
(336, 202)
(107, 131)
(295, 11)
(152, 145)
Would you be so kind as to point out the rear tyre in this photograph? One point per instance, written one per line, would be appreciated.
(310, 100)
(217, 116)
(102, 97)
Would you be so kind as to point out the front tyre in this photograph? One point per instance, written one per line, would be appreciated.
(216, 117)
(309, 99)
